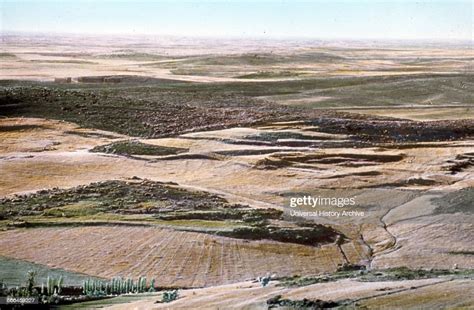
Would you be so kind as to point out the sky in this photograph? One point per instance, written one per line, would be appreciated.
(362, 19)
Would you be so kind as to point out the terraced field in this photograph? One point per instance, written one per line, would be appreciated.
(173, 258)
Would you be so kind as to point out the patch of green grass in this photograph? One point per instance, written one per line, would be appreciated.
(60, 61)
(299, 281)
(461, 252)
(7, 55)
(101, 219)
(90, 134)
(81, 208)
(243, 214)
(10, 128)
(270, 75)
(259, 59)
(420, 89)
(133, 56)
(200, 224)
(404, 273)
(191, 71)
(13, 273)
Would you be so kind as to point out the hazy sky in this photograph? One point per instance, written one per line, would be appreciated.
(395, 19)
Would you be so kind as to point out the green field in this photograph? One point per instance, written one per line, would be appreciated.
(14, 273)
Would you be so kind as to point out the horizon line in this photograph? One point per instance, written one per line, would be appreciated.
(269, 37)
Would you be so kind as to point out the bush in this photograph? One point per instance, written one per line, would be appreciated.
(169, 296)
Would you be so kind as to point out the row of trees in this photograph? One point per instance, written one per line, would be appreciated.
(117, 286)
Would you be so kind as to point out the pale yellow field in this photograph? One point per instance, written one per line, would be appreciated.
(173, 258)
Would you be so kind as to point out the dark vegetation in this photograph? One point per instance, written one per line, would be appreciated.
(90, 134)
(11, 128)
(360, 91)
(357, 131)
(419, 89)
(168, 108)
(461, 201)
(397, 131)
(140, 111)
(391, 274)
(270, 74)
(114, 79)
(170, 296)
(133, 147)
(132, 55)
(311, 234)
(220, 214)
(253, 59)
(278, 302)
(162, 202)
(273, 136)
(461, 252)
(305, 160)
(460, 163)
(110, 196)
(7, 55)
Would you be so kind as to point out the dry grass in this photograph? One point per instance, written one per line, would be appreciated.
(436, 293)
(173, 258)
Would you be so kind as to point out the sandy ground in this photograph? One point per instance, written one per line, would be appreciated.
(440, 293)
(429, 242)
